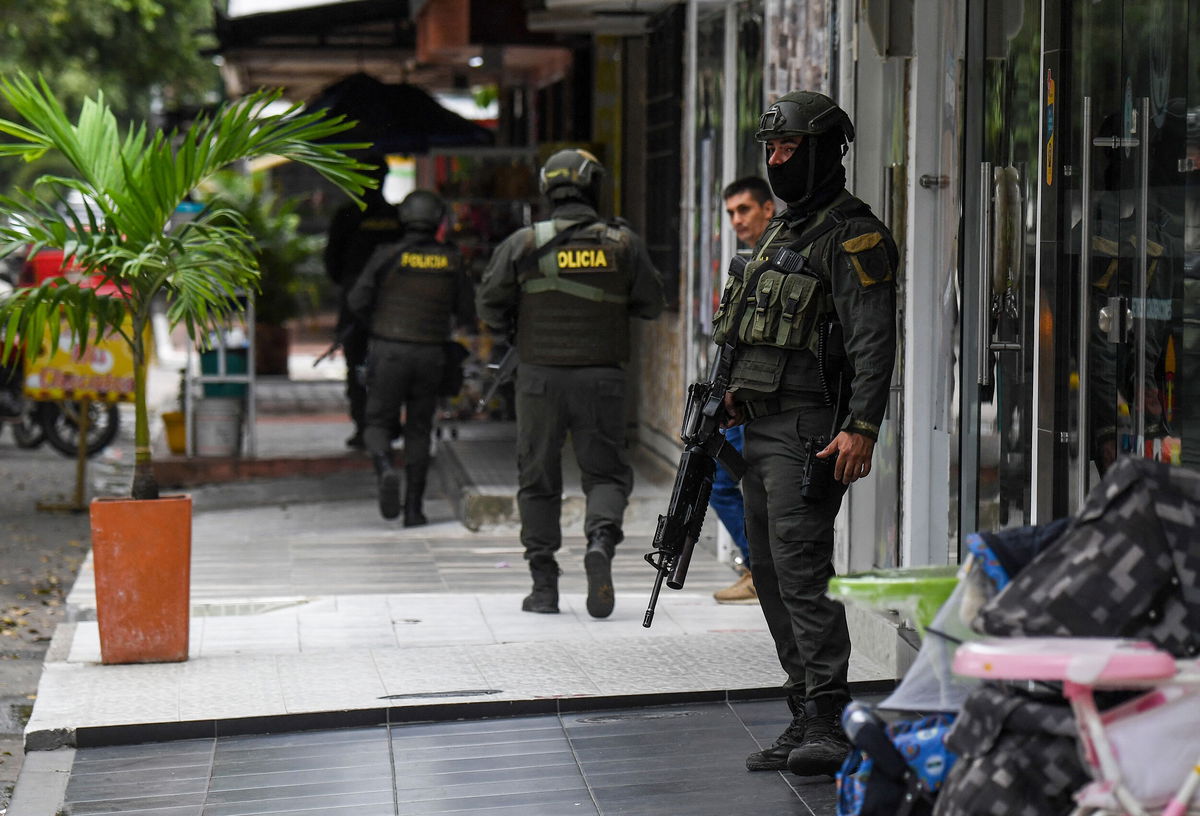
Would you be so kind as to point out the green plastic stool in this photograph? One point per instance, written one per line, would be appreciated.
(916, 592)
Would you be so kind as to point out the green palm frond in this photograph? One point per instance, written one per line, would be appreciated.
(125, 188)
(131, 185)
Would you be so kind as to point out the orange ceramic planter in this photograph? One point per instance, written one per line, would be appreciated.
(142, 554)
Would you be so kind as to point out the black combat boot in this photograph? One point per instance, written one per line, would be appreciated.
(389, 486)
(825, 745)
(775, 757)
(597, 563)
(544, 597)
(414, 493)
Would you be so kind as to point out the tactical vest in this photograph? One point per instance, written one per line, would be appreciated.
(573, 308)
(787, 296)
(415, 298)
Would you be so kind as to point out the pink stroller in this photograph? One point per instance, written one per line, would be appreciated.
(1144, 754)
(1103, 627)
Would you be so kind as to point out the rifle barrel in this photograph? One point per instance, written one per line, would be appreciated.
(646, 621)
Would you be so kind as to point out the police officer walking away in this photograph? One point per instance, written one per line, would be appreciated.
(567, 286)
(406, 298)
(354, 234)
(812, 363)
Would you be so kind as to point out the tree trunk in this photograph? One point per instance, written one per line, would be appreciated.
(145, 486)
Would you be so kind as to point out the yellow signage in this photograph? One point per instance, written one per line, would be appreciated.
(103, 373)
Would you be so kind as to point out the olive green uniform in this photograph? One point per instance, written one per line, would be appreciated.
(570, 305)
(407, 297)
(778, 383)
(354, 235)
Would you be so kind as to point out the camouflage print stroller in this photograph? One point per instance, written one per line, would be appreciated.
(1127, 566)
(901, 757)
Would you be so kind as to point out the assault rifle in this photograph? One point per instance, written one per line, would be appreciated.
(338, 342)
(504, 371)
(704, 446)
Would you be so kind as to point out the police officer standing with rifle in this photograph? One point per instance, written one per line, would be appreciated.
(406, 297)
(568, 287)
(813, 350)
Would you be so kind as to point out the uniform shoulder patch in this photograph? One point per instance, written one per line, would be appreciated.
(868, 257)
(862, 242)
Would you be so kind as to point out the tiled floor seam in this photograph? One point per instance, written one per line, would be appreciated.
(575, 756)
(96, 736)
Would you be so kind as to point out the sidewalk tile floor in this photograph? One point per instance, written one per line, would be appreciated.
(668, 761)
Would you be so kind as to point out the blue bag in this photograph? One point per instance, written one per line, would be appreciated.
(896, 769)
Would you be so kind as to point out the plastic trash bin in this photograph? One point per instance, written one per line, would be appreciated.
(916, 592)
(236, 360)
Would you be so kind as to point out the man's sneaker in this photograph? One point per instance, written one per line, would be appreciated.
(740, 592)
(775, 758)
(356, 442)
(823, 749)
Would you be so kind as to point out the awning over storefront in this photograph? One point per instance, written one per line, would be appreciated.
(398, 118)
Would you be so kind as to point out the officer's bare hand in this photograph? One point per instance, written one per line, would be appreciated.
(853, 456)
(733, 414)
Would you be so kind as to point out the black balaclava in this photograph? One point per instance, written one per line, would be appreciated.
(811, 176)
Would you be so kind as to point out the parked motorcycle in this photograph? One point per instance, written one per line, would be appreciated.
(55, 421)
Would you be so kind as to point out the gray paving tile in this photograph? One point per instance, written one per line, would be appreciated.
(267, 764)
(515, 747)
(460, 791)
(566, 801)
(202, 747)
(416, 784)
(112, 805)
(228, 781)
(188, 763)
(183, 810)
(318, 785)
(104, 788)
(377, 802)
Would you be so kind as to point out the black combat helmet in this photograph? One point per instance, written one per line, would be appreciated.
(803, 113)
(423, 210)
(814, 120)
(572, 173)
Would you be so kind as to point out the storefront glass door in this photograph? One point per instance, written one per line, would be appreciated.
(1000, 288)
(1081, 249)
(1132, 245)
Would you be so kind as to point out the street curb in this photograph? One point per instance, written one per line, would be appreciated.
(42, 786)
(134, 733)
(182, 473)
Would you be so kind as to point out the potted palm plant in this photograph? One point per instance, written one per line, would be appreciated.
(121, 240)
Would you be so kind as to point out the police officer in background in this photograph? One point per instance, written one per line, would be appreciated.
(811, 370)
(567, 286)
(406, 298)
(354, 235)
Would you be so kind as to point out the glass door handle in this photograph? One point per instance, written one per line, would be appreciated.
(1113, 142)
(1142, 278)
(984, 313)
(1083, 304)
(1116, 320)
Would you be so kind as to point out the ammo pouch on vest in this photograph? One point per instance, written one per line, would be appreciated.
(784, 302)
